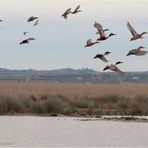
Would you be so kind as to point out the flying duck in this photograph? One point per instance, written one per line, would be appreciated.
(32, 18)
(65, 14)
(101, 31)
(135, 35)
(97, 26)
(114, 68)
(137, 51)
(36, 22)
(90, 43)
(76, 10)
(26, 41)
(102, 56)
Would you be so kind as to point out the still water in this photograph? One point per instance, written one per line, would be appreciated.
(30, 131)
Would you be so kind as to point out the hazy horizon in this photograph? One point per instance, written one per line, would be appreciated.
(60, 43)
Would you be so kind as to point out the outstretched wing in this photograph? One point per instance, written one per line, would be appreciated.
(116, 69)
(68, 10)
(30, 19)
(106, 67)
(89, 41)
(96, 25)
(77, 8)
(119, 72)
(36, 22)
(66, 13)
(132, 30)
(103, 59)
(99, 29)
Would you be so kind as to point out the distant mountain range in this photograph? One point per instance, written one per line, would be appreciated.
(69, 75)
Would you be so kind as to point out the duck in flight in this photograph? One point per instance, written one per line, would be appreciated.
(32, 18)
(90, 43)
(65, 14)
(26, 41)
(137, 51)
(101, 31)
(77, 9)
(114, 68)
(135, 35)
(36, 22)
(97, 26)
(102, 56)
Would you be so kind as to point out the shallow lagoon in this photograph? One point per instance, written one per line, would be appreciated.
(70, 131)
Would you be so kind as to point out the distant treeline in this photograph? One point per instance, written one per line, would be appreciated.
(73, 76)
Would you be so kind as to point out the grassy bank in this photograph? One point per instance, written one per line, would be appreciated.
(40, 98)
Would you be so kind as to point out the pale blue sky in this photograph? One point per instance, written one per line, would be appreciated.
(60, 43)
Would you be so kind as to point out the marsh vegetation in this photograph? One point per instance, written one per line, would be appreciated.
(48, 98)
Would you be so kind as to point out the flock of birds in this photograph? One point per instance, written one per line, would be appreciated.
(102, 36)
(30, 19)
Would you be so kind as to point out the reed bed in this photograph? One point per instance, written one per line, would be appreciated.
(49, 98)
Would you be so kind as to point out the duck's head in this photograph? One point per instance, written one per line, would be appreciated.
(106, 30)
(107, 53)
(111, 34)
(119, 62)
(141, 47)
(144, 33)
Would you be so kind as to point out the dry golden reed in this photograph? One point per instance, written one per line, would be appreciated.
(38, 88)
(45, 97)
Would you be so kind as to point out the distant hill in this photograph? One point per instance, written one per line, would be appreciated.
(69, 75)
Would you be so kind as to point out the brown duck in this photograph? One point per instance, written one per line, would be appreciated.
(114, 68)
(97, 26)
(36, 23)
(77, 9)
(90, 43)
(135, 35)
(101, 31)
(137, 51)
(32, 18)
(65, 14)
(102, 56)
(26, 41)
